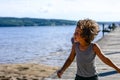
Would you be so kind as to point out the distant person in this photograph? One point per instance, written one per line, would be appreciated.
(85, 51)
(113, 26)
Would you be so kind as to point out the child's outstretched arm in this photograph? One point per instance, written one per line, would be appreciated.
(106, 60)
(68, 62)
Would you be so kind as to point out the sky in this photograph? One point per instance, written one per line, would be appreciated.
(99, 10)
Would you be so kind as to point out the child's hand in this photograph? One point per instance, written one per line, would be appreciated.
(59, 73)
(118, 70)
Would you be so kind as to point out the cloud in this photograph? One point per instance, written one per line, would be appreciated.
(63, 9)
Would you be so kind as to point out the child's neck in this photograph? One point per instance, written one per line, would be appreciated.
(84, 44)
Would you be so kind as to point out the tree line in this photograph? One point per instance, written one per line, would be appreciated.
(12, 21)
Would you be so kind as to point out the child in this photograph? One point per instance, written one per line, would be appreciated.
(85, 51)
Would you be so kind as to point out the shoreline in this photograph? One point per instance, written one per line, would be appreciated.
(25, 71)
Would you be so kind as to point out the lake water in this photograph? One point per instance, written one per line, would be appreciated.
(45, 45)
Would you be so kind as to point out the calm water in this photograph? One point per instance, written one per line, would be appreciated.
(46, 45)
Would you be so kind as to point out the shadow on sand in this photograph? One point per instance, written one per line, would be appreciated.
(107, 73)
(112, 53)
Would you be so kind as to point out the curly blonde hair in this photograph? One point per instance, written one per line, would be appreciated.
(89, 28)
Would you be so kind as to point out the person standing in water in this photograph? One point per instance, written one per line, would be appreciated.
(85, 51)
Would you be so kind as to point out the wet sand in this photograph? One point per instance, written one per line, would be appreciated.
(25, 71)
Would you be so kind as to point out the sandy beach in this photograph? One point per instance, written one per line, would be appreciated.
(25, 71)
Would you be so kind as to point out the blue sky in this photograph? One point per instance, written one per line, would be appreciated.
(99, 10)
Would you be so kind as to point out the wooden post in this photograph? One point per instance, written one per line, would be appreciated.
(103, 29)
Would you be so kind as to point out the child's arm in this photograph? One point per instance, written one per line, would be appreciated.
(106, 60)
(68, 62)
